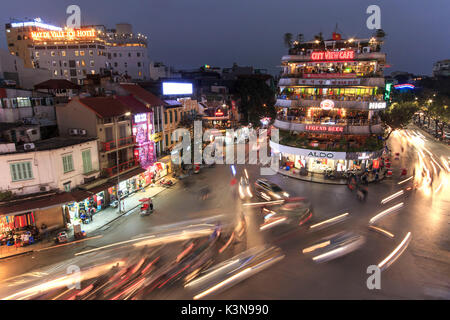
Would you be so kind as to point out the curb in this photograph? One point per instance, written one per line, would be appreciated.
(323, 182)
(17, 255)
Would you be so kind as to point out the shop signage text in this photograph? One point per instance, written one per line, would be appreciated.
(377, 105)
(327, 104)
(63, 35)
(333, 55)
(324, 128)
(141, 117)
(321, 155)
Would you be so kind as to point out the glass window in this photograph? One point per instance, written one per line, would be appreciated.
(176, 116)
(67, 163)
(87, 162)
(63, 53)
(81, 52)
(21, 171)
(83, 63)
(53, 53)
(138, 64)
(167, 140)
(76, 53)
(37, 54)
(170, 116)
(92, 63)
(165, 117)
(91, 52)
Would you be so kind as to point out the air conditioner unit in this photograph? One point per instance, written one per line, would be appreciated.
(309, 51)
(73, 132)
(28, 146)
(43, 188)
(82, 132)
(366, 49)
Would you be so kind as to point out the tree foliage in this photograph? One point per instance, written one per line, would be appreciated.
(288, 39)
(398, 115)
(257, 100)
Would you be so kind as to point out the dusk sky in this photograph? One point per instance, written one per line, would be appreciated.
(191, 33)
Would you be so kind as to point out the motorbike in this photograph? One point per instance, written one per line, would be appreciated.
(329, 174)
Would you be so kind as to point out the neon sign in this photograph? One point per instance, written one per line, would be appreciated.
(377, 105)
(324, 128)
(333, 55)
(61, 35)
(404, 86)
(36, 24)
(327, 104)
(219, 113)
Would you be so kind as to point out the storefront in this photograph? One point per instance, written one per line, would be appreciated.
(320, 162)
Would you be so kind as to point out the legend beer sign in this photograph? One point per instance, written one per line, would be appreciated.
(333, 55)
(68, 34)
(318, 128)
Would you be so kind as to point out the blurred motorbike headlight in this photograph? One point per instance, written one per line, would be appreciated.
(286, 194)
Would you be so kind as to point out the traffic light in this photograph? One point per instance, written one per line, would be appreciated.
(387, 91)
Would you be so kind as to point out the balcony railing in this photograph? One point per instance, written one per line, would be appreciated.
(123, 142)
(305, 96)
(124, 166)
(329, 120)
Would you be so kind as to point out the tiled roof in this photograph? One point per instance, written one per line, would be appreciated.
(105, 107)
(142, 94)
(134, 104)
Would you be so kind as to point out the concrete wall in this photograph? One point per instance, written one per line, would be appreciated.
(76, 115)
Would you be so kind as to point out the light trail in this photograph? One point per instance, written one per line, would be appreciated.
(382, 231)
(401, 182)
(317, 246)
(395, 195)
(390, 259)
(385, 212)
(279, 220)
(263, 203)
(329, 220)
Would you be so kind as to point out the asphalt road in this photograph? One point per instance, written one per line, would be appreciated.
(421, 272)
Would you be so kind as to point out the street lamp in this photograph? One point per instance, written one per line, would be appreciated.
(117, 158)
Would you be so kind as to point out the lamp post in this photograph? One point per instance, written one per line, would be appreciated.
(117, 158)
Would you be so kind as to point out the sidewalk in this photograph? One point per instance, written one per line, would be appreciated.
(101, 219)
(319, 178)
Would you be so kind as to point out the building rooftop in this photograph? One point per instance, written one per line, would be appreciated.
(57, 84)
(105, 107)
(51, 144)
(142, 94)
(134, 104)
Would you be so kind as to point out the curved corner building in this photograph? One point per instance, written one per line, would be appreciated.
(330, 94)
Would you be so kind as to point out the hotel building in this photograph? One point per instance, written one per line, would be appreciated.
(71, 54)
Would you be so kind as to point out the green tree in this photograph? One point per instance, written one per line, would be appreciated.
(398, 116)
(288, 40)
(257, 99)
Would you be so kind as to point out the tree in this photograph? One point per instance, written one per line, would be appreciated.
(300, 37)
(288, 40)
(379, 33)
(398, 116)
(256, 99)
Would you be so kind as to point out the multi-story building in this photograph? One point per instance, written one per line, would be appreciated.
(441, 68)
(330, 93)
(26, 108)
(37, 178)
(72, 54)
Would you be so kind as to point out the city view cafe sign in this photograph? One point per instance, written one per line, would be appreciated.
(332, 55)
(68, 34)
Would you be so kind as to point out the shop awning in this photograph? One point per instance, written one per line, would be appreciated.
(128, 175)
(33, 204)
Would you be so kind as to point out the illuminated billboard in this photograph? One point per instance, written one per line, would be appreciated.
(177, 88)
(143, 131)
